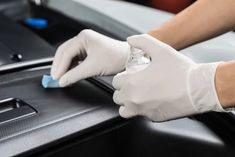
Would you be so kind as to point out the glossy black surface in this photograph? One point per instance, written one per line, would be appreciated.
(19, 44)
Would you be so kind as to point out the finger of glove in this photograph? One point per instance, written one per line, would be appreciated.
(82, 71)
(118, 98)
(119, 80)
(149, 45)
(127, 112)
(58, 54)
(66, 58)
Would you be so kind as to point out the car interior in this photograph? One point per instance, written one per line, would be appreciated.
(83, 120)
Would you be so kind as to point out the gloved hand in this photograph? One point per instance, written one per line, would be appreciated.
(101, 54)
(172, 86)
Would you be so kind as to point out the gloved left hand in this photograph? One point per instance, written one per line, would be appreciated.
(100, 55)
(172, 86)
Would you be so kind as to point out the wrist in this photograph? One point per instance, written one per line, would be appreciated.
(166, 36)
(202, 87)
(225, 84)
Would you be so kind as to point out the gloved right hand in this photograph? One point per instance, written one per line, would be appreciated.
(100, 54)
(172, 86)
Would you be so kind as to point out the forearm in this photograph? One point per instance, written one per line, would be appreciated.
(225, 84)
(203, 20)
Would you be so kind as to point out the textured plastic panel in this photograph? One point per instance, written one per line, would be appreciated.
(54, 106)
(12, 109)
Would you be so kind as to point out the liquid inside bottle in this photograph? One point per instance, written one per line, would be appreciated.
(137, 60)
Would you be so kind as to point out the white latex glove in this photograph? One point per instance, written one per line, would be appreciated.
(172, 86)
(101, 54)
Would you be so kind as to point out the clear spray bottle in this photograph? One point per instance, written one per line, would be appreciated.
(137, 60)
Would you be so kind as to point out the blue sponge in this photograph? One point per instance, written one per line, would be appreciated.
(49, 82)
(39, 23)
